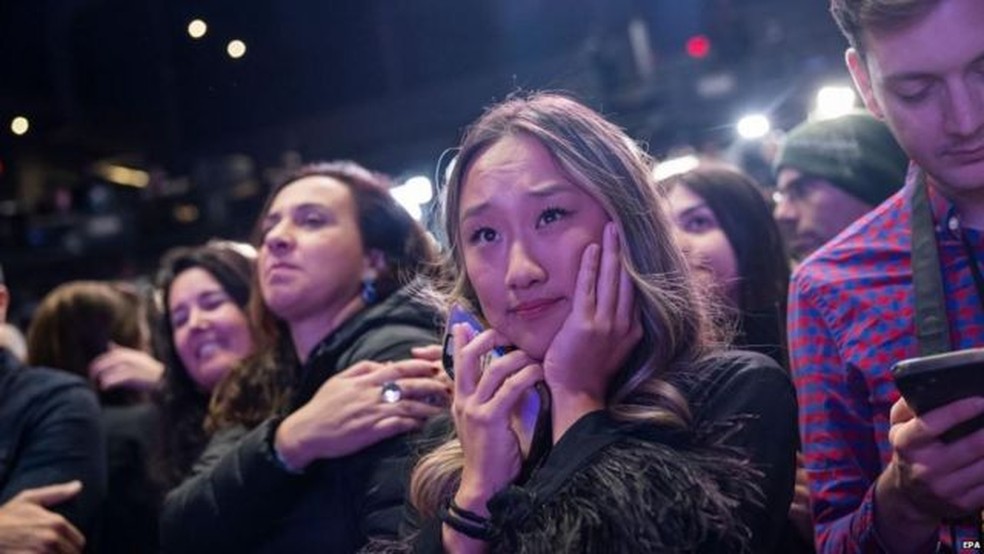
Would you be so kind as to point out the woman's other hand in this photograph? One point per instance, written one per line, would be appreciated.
(349, 411)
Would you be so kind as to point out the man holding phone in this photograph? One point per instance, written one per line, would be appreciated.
(881, 478)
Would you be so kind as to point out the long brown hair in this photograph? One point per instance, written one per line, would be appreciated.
(601, 159)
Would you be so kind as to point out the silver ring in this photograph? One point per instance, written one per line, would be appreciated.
(391, 392)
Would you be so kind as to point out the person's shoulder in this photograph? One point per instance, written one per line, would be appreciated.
(880, 236)
(740, 366)
(407, 307)
(400, 310)
(735, 374)
(400, 317)
(32, 380)
(36, 394)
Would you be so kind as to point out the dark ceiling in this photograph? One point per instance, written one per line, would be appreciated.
(111, 77)
(389, 83)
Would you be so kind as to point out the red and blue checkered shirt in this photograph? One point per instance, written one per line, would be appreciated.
(851, 309)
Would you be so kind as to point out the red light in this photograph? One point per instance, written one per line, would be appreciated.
(698, 46)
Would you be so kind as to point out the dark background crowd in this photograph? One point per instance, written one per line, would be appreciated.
(141, 137)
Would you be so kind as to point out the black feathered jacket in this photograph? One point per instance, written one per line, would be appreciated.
(610, 486)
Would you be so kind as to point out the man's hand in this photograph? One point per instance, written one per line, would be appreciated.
(26, 526)
(928, 480)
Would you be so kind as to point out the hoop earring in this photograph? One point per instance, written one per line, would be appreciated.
(369, 293)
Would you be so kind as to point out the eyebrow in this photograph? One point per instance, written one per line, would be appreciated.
(298, 208)
(543, 191)
(903, 78)
(694, 208)
(212, 292)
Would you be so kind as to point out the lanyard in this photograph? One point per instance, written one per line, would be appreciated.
(932, 327)
(975, 268)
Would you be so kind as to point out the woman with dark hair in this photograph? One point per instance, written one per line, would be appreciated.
(203, 332)
(76, 324)
(733, 245)
(321, 469)
(595, 413)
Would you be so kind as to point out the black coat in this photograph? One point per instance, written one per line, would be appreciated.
(610, 486)
(133, 500)
(247, 503)
(50, 432)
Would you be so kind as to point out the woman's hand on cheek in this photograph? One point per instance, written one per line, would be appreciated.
(486, 392)
(603, 328)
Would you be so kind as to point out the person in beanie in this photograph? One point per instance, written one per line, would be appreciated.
(831, 172)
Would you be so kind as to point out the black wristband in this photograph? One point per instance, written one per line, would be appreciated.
(467, 523)
(470, 516)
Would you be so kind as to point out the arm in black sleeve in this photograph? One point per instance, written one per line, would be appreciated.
(63, 440)
(752, 389)
(227, 506)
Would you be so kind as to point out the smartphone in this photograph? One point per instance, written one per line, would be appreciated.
(928, 382)
(531, 419)
(457, 315)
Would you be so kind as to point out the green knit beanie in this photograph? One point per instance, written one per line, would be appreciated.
(856, 153)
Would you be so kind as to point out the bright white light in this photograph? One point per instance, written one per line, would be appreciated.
(753, 126)
(413, 193)
(236, 49)
(19, 125)
(834, 101)
(197, 28)
(675, 166)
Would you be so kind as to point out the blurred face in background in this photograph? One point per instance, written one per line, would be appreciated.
(704, 243)
(210, 331)
(523, 228)
(810, 211)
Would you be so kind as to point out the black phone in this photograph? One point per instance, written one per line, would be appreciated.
(928, 382)
(458, 314)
